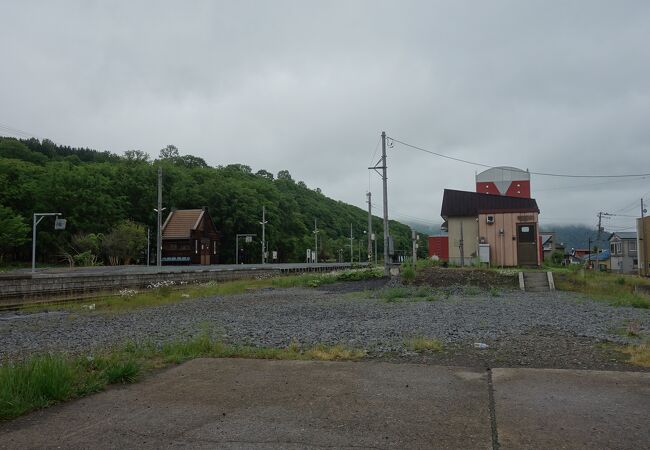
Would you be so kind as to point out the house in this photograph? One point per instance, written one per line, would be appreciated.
(547, 242)
(643, 245)
(624, 254)
(501, 229)
(189, 237)
(601, 259)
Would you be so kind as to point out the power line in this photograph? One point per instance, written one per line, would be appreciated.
(547, 174)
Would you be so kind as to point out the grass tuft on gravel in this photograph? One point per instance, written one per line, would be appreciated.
(44, 380)
(421, 343)
(639, 355)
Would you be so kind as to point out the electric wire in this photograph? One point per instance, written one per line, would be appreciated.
(547, 174)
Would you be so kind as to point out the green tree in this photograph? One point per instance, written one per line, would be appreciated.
(171, 151)
(13, 231)
(125, 242)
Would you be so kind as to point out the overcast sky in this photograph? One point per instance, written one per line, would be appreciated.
(552, 86)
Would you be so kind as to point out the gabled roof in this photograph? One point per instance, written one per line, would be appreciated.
(471, 204)
(623, 235)
(180, 223)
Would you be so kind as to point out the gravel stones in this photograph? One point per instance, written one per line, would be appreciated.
(522, 329)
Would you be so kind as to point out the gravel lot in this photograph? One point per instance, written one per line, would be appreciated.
(521, 329)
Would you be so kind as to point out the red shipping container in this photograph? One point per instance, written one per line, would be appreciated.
(439, 246)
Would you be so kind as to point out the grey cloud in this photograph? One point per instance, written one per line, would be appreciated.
(308, 86)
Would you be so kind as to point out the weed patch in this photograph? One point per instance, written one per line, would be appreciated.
(421, 343)
(615, 289)
(638, 355)
(44, 380)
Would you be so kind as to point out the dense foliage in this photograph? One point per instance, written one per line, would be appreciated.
(97, 191)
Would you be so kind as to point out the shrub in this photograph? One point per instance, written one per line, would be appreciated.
(407, 273)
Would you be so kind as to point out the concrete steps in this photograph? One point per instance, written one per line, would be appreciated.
(536, 281)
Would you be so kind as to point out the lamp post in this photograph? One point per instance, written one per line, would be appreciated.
(59, 224)
(249, 237)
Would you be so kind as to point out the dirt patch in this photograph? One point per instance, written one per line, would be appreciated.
(443, 277)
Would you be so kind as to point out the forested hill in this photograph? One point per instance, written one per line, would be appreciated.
(96, 191)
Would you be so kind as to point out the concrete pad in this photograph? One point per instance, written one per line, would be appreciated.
(545, 408)
(236, 403)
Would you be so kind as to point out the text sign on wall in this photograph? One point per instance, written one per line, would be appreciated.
(525, 218)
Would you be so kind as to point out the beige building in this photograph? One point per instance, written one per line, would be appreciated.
(465, 230)
(643, 245)
(496, 229)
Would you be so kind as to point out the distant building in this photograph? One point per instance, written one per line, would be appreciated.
(600, 261)
(498, 229)
(548, 244)
(624, 252)
(508, 181)
(189, 237)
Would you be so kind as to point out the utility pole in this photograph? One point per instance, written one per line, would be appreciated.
(461, 246)
(381, 164)
(375, 239)
(369, 194)
(351, 246)
(316, 240)
(148, 243)
(642, 240)
(414, 239)
(263, 223)
(385, 192)
(589, 252)
(159, 211)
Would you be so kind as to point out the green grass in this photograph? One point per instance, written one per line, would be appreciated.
(421, 344)
(167, 294)
(638, 355)
(407, 273)
(615, 289)
(45, 380)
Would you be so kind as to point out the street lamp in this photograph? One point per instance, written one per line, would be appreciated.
(249, 238)
(59, 224)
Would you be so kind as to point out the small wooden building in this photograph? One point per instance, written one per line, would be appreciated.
(504, 227)
(189, 237)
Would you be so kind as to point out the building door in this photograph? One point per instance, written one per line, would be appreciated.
(205, 251)
(526, 245)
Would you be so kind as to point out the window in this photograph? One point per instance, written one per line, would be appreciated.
(615, 248)
(631, 247)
